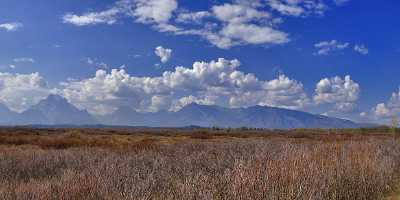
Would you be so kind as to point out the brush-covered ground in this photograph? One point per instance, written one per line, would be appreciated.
(198, 164)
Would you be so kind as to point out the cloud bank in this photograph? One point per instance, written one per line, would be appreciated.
(215, 82)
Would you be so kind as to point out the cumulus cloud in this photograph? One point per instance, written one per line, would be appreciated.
(20, 91)
(362, 49)
(216, 82)
(341, 93)
(390, 108)
(11, 27)
(164, 53)
(327, 47)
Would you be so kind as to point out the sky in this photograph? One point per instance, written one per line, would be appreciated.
(333, 57)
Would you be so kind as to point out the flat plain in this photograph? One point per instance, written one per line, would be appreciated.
(198, 164)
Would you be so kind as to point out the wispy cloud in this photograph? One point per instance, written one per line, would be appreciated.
(11, 27)
(362, 49)
(24, 60)
(298, 8)
(105, 17)
(95, 62)
(326, 47)
(341, 2)
(241, 22)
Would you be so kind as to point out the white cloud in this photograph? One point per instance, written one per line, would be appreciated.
(154, 11)
(243, 25)
(216, 82)
(241, 22)
(390, 108)
(342, 93)
(24, 60)
(363, 114)
(184, 101)
(286, 9)
(327, 47)
(92, 18)
(20, 91)
(252, 34)
(14, 26)
(298, 8)
(236, 13)
(236, 24)
(192, 17)
(362, 49)
(164, 53)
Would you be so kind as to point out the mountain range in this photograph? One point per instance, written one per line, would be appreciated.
(56, 110)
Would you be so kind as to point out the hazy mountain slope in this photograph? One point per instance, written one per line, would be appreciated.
(208, 116)
(54, 110)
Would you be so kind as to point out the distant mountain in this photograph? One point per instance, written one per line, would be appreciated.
(208, 116)
(54, 110)
(123, 116)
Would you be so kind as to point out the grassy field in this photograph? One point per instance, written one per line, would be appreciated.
(198, 164)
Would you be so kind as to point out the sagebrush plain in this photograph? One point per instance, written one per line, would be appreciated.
(198, 164)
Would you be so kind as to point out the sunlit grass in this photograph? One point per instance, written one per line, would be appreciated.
(197, 164)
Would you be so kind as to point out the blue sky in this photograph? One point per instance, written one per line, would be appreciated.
(339, 58)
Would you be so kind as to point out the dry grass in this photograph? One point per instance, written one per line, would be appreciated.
(192, 164)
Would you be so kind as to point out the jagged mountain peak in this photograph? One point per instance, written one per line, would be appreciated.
(55, 109)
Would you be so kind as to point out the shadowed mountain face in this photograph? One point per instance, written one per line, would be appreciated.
(52, 111)
(208, 116)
